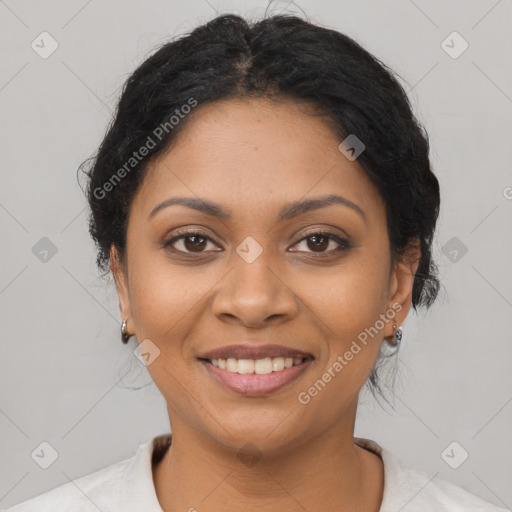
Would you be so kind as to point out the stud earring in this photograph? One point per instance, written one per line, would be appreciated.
(397, 339)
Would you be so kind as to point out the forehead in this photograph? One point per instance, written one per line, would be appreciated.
(250, 154)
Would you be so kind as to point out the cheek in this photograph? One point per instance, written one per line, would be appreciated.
(162, 305)
(162, 296)
(353, 296)
(349, 305)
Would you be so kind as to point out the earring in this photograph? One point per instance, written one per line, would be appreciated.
(124, 335)
(396, 340)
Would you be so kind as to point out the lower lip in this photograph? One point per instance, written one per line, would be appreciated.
(252, 384)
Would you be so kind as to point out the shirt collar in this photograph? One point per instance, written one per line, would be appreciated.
(391, 471)
(137, 491)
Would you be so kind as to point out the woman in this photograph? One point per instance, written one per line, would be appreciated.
(265, 202)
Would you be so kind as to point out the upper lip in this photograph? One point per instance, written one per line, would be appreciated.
(253, 352)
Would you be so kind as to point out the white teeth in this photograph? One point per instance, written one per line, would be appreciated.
(258, 366)
(263, 366)
(277, 364)
(246, 366)
(231, 365)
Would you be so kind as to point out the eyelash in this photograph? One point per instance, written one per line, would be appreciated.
(342, 242)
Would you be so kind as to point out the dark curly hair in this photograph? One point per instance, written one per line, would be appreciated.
(277, 57)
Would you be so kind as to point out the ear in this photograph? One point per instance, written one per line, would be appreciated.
(400, 288)
(120, 274)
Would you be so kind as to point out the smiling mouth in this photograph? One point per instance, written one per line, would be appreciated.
(256, 377)
(263, 366)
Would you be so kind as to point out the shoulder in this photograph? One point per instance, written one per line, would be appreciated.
(409, 489)
(80, 495)
(105, 489)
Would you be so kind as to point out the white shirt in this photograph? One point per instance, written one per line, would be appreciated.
(128, 486)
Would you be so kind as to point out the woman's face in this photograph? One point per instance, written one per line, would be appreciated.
(260, 274)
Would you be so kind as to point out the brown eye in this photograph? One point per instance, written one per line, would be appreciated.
(189, 242)
(194, 243)
(319, 242)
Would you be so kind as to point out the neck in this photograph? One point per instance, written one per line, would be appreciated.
(326, 472)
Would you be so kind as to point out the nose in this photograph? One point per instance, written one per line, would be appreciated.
(254, 295)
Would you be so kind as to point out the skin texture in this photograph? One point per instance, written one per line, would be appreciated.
(253, 156)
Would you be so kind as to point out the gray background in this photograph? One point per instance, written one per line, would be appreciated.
(66, 377)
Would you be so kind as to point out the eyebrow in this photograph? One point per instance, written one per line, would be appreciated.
(289, 211)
